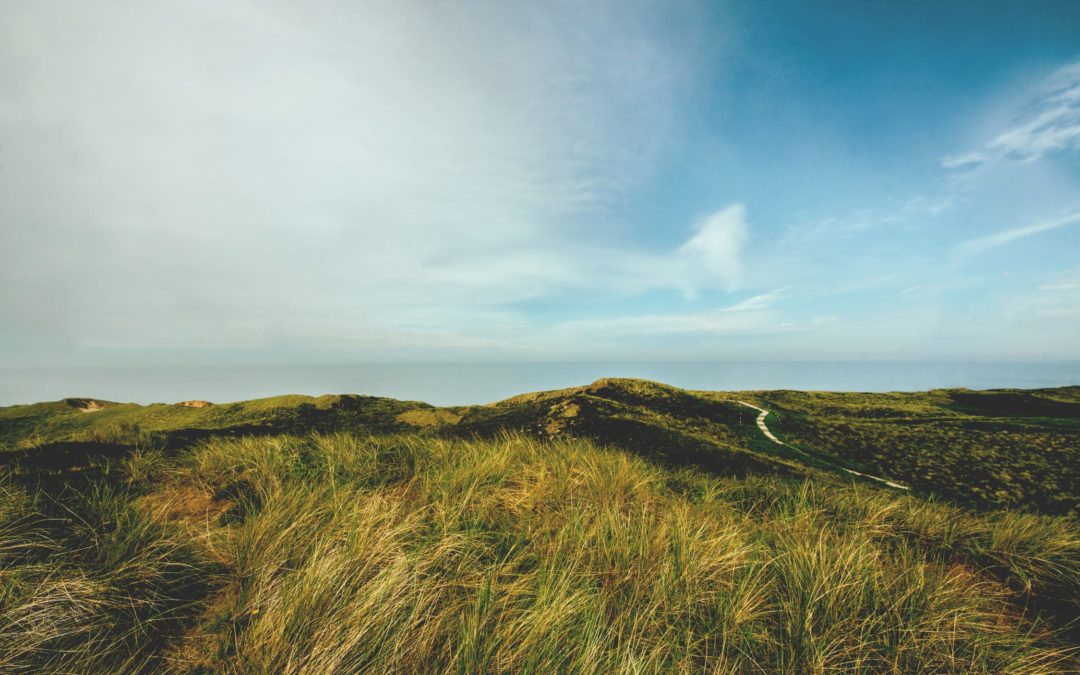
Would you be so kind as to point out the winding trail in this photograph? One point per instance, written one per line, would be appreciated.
(763, 413)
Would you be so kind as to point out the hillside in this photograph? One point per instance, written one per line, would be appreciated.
(998, 448)
(623, 526)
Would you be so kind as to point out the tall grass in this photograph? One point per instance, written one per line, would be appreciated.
(91, 584)
(407, 553)
(402, 553)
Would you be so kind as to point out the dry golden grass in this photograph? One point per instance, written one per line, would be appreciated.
(404, 553)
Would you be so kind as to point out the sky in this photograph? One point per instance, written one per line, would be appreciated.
(264, 181)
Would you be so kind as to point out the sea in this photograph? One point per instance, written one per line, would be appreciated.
(471, 383)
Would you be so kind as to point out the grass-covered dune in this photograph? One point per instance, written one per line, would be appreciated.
(624, 526)
(1006, 448)
(346, 553)
(988, 449)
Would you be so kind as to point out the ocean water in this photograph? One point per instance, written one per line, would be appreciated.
(458, 384)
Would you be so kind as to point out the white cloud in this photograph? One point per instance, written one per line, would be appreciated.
(1071, 284)
(234, 173)
(747, 316)
(1047, 121)
(980, 244)
(716, 244)
(899, 214)
(760, 301)
(1052, 124)
(967, 160)
(1055, 306)
(710, 259)
(711, 322)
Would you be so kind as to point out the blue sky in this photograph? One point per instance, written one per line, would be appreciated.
(280, 182)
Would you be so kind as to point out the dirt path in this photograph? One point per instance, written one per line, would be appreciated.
(763, 413)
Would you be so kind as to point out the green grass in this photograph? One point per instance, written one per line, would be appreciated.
(992, 449)
(91, 583)
(27, 426)
(622, 527)
(405, 553)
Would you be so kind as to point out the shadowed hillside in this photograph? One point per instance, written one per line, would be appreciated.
(1005, 448)
(665, 424)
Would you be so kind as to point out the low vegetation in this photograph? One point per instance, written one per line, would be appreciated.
(993, 449)
(577, 531)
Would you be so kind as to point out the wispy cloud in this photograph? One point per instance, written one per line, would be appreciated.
(709, 259)
(754, 314)
(980, 244)
(756, 302)
(1058, 302)
(967, 160)
(1045, 123)
(1052, 124)
(1069, 284)
(711, 322)
(343, 168)
(1066, 285)
(898, 213)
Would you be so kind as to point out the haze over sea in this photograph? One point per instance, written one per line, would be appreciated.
(459, 384)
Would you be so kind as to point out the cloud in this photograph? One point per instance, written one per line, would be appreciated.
(1072, 284)
(1052, 122)
(747, 316)
(1045, 122)
(1056, 303)
(709, 259)
(712, 322)
(227, 173)
(980, 244)
(898, 214)
(716, 244)
(760, 301)
(969, 160)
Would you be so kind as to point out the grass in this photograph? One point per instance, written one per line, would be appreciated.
(402, 553)
(996, 449)
(992, 449)
(89, 583)
(39, 424)
(622, 527)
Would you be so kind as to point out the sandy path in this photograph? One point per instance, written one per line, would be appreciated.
(763, 413)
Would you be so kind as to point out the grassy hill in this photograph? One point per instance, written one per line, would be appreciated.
(623, 526)
(92, 420)
(991, 449)
(1003, 448)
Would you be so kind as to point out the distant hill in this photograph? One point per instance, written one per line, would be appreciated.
(991, 448)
